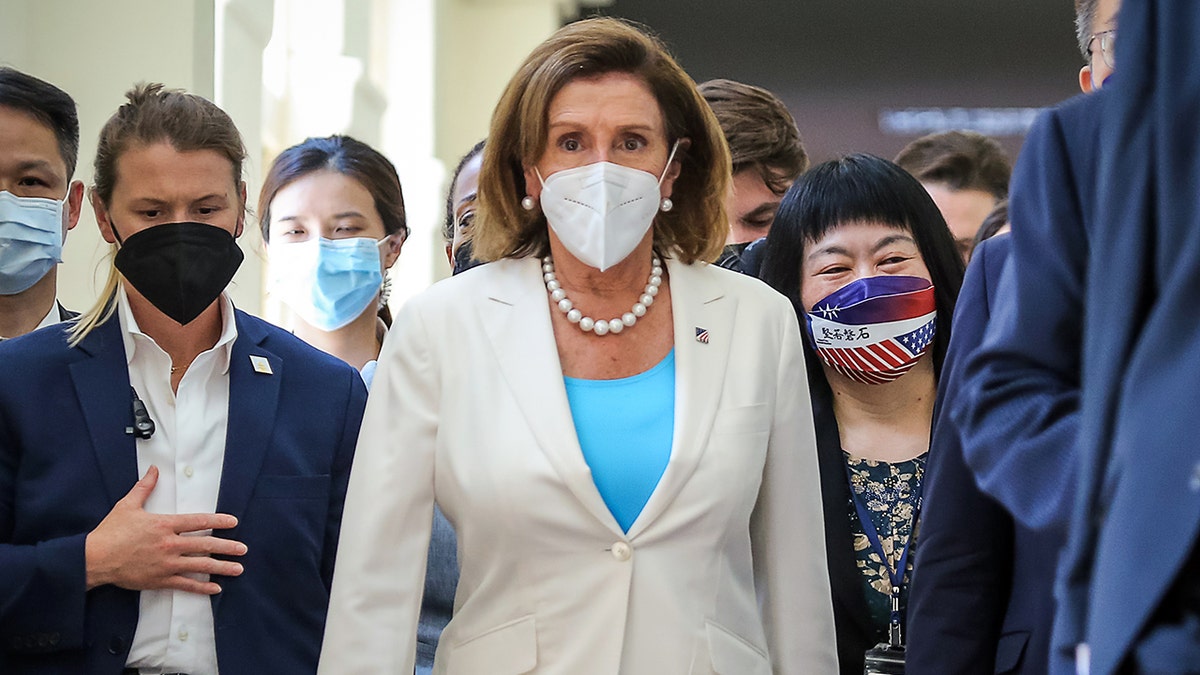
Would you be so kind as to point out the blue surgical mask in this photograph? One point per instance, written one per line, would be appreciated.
(31, 239)
(327, 282)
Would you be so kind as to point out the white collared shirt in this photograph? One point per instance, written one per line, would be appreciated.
(175, 628)
(52, 317)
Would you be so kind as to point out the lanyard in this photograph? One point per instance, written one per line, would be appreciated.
(896, 576)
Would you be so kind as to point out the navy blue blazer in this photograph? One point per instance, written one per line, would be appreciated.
(1019, 414)
(65, 460)
(1132, 553)
(982, 596)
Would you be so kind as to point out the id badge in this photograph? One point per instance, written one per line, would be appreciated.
(884, 660)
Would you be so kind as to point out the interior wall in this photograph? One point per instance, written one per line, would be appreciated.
(838, 65)
(171, 42)
(417, 79)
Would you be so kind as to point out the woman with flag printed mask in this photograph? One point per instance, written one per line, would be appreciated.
(628, 496)
(868, 262)
(332, 214)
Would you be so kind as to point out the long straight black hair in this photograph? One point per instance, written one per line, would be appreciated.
(861, 188)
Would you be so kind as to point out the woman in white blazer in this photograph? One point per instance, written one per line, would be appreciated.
(634, 494)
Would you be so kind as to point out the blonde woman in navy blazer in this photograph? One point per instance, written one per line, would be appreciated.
(721, 569)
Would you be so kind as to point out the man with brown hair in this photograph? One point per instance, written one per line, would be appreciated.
(966, 173)
(767, 156)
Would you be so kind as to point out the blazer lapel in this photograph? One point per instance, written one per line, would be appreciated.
(697, 304)
(516, 316)
(102, 385)
(845, 579)
(253, 400)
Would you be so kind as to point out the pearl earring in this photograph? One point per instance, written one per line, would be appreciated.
(527, 203)
(666, 204)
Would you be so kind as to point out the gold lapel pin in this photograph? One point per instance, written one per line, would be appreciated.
(261, 365)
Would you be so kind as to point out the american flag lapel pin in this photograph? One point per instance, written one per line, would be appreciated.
(701, 335)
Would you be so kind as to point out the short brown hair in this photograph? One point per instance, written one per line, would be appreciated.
(694, 230)
(960, 160)
(155, 114)
(760, 130)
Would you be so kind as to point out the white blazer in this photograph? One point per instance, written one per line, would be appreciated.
(724, 570)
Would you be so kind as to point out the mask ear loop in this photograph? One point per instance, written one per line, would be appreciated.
(385, 288)
(670, 158)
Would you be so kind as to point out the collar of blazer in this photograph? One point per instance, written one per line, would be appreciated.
(528, 358)
(101, 382)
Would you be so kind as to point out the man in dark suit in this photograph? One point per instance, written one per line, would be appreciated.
(221, 556)
(1016, 407)
(1130, 597)
(39, 144)
(981, 598)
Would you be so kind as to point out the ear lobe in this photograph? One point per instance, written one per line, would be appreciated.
(533, 185)
(1085, 80)
(676, 166)
(242, 216)
(394, 246)
(74, 204)
(102, 219)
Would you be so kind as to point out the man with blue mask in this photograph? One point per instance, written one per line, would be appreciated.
(39, 143)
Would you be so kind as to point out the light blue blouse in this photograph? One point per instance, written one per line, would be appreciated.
(625, 427)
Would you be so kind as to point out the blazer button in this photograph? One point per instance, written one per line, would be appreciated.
(116, 645)
(622, 551)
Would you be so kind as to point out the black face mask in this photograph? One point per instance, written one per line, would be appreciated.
(181, 268)
(463, 259)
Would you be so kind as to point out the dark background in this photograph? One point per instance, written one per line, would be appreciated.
(838, 63)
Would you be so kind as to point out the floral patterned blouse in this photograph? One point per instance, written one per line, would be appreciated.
(891, 492)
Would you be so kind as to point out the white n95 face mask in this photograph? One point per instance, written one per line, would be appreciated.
(31, 240)
(602, 211)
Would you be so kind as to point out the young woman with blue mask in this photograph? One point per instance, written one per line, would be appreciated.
(333, 218)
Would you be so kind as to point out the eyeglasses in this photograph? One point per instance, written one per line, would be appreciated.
(1108, 47)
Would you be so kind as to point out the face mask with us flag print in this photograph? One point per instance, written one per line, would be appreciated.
(875, 329)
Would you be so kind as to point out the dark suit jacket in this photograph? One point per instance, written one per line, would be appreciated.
(982, 599)
(1020, 414)
(851, 618)
(65, 460)
(1136, 521)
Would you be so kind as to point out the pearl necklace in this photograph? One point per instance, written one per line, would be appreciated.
(602, 327)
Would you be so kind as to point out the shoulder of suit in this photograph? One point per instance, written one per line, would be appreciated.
(296, 352)
(743, 287)
(494, 279)
(41, 343)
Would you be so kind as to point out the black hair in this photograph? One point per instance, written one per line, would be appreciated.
(861, 189)
(448, 225)
(349, 157)
(47, 104)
